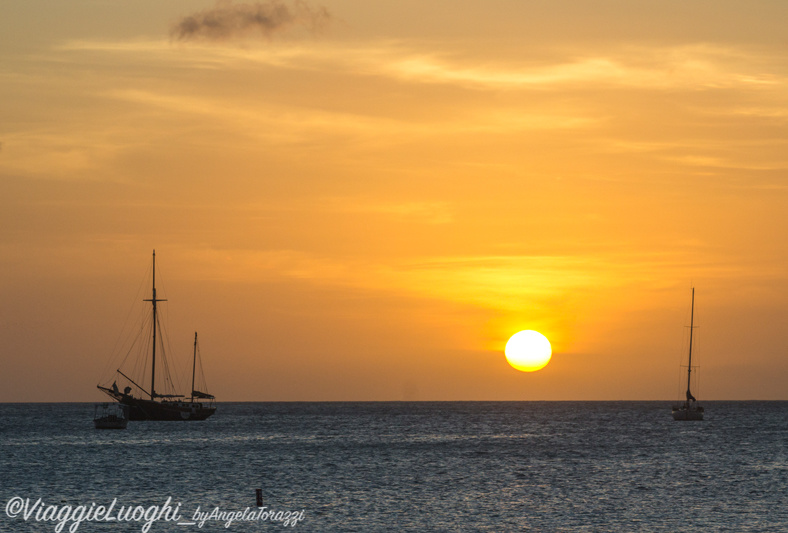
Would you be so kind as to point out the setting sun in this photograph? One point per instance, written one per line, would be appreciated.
(528, 351)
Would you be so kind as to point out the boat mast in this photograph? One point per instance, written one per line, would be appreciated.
(153, 301)
(689, 363)
(194, 364)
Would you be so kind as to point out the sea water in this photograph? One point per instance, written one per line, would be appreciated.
(443, 466)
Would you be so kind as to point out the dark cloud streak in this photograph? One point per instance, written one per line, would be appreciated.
(228, 20)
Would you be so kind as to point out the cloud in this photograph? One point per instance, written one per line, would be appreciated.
(697, 67)
(228, 20)
(692, 67)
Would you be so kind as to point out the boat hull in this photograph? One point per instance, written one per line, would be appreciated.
(153, 410)
(110, 423)
(141, 409)
(683, 413)
(111, 416)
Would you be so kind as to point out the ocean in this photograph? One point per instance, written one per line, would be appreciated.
(399, 466)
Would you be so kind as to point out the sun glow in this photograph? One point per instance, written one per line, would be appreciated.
(528, 351)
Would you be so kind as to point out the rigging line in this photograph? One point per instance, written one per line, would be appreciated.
(171, 385)
(696, 357)
(173, 370)
(132, 347)
(141, 362)
(137, 337)
(682, 351)
(162, 359)
(162, 319)
(195, 363)
(118, 340)
(678, 383)
(118, 362)
(165, 360)
(203, 382)
(130, 339)
(177, 371)
(116, 355)
(202, 375)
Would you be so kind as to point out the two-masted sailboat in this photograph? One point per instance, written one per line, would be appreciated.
(150, 405)
(689, 409)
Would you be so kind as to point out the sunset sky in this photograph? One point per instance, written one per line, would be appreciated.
(358, 200)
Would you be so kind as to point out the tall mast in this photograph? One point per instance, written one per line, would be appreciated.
(153, 301)
(692, 326)
(194, 363)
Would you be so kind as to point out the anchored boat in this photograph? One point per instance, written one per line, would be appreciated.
(689, 409)
(110, 416)
(145, 404)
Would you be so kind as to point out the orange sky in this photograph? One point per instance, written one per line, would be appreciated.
(364, 200)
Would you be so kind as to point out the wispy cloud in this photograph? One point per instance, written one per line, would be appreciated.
(228, 20)
(293, 124)
(691, 67)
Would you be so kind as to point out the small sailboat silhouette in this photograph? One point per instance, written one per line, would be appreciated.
(689, 409)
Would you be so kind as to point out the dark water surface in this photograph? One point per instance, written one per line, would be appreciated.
(444, 466)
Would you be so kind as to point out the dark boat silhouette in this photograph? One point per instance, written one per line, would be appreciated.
(689, 409)
(110, 416)
(150, 405)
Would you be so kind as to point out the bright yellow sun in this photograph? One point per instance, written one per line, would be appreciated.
(528, 351)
